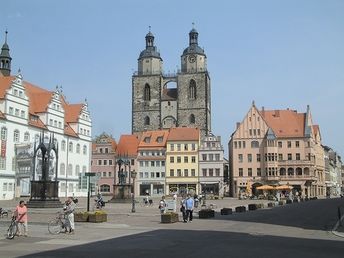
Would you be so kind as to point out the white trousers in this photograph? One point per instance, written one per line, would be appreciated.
(71, 220)
(22, 225)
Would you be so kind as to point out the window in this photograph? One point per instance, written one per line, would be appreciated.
(289, 144)
(10, 111)
(162, 163)
(141, 174)
(179, 159)
(157, 163)
(193, 146)
(147, 93)
(178, 147)
(211, 172)
(152, 174)
(146, 174)
(289, 156)
(241, 172)
(110, 162)
(171, 159)
(217, 157)
(4, 187)
(244, 144)
(3, 133)
(240, 157)
(70, 170)
(250, 132)
(77, 170)
(249, 171)
(22, 114)
(105, 162)
(78, 148)
(297, 156)
(254, 144)
(105, 188)
(2, 163)
(172, 147)
(192, 119)
(279, 144)
(259, 172)
(16, 136)
(185, 147)
(63, 145)
(84, 151)
(171, 172)
(141, 164)
(26, 137)
(104, 174)
(249, 157)
(235, 145)
(211, 157)
(62, 169)
(179, 172)
(280, 156)
(258, 157)
(204, 172)
(16, 112)
(146, 164)
(99, 162)
(297, 144)
(193, 159)
(70, 147)
(193, 172)
(186, 159)
(204, 157)
(192, 89)
(217, 172)
(147, 120)
(152, 164)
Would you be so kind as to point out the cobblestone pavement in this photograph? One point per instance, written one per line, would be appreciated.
(273, 222)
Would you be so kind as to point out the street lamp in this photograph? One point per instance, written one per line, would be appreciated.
(133, 176)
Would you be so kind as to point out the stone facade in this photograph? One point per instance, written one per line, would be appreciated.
(157, 106)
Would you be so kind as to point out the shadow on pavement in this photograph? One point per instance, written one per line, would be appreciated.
(316, 215)
(181, 243)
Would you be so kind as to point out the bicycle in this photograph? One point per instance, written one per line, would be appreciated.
(3, 213)
(58, 225)
(13, 228)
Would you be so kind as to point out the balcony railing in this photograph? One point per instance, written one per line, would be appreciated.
(295, 162)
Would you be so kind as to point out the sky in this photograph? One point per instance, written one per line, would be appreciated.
(281, 54)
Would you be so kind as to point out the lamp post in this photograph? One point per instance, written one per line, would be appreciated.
(133, 176)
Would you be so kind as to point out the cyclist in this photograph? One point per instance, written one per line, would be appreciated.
(21, 214)
(69, 211)
(99, 201)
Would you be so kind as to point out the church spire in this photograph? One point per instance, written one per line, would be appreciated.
(5, 58)
(193, 36)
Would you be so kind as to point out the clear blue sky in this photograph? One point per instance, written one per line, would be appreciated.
(279, 53)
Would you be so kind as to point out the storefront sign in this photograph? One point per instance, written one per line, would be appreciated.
(3, 148)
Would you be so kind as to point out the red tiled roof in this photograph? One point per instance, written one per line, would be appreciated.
(37, 123)
(183, 134)
(316, 129)
(153, 139)
(72, 112)
(69, 131)
(285, 123)
(5, 83)
(128, 145)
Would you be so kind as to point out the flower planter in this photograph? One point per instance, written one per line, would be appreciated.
(169, 217)
(252, 207)
(260, 205)
(281, 203)
(97, 217)
(271, 204)
(226, 211)
(289, 201)
(81, 217)
(240, 209)
(206, 214)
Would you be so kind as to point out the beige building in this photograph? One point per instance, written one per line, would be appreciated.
(277, 147)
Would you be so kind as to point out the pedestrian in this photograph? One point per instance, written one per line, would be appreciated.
(21, 216)
(183, 209)
(189, 206)
(69, 211)
(162, 205)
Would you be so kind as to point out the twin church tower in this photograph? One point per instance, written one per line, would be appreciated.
(156, 105)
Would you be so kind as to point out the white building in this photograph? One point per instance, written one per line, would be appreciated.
(26, 112)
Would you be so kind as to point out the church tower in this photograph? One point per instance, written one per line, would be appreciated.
(194, 105)
(5, 59)
(146, 89)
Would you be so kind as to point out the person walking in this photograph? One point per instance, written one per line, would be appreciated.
(183, 209)
(69, 211)
(21, 214)
(189, 206)
(162, 205)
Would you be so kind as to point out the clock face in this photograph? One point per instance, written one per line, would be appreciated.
(192, 58)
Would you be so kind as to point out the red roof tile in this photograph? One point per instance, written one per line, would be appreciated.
(154, 139)
(128, 145)
(5, 83)
(72, 112)
(183, 134)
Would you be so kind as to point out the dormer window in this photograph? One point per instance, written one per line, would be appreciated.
(159, 139)
(147, 140)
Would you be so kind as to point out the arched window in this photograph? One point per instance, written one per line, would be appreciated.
(147, 95)
(77, 170)
(282, 172)
(192, 119)
(84, 149)
(147, 120)
(78, 148)
(63, 145)
(3, 133)
(62, 169)
(254, 144)
(16, 135)
(70, 170)
(105, 188)
(26, 137)
(192, 89)
(70, 147)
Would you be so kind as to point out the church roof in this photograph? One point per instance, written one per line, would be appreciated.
(194, 49)
(150, 52)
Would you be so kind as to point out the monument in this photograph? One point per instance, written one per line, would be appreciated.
(44, 190)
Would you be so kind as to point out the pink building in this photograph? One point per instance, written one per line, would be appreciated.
(277, 147)
(104, 162)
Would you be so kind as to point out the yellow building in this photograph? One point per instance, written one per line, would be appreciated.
(182, 175)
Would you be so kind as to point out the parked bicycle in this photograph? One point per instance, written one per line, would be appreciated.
(13, 228)
(59, 224)
(3, 213)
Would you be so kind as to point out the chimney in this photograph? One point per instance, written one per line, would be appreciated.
(237, 125)
(263, 111)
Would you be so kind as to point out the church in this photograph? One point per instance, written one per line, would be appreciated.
(156, 105)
